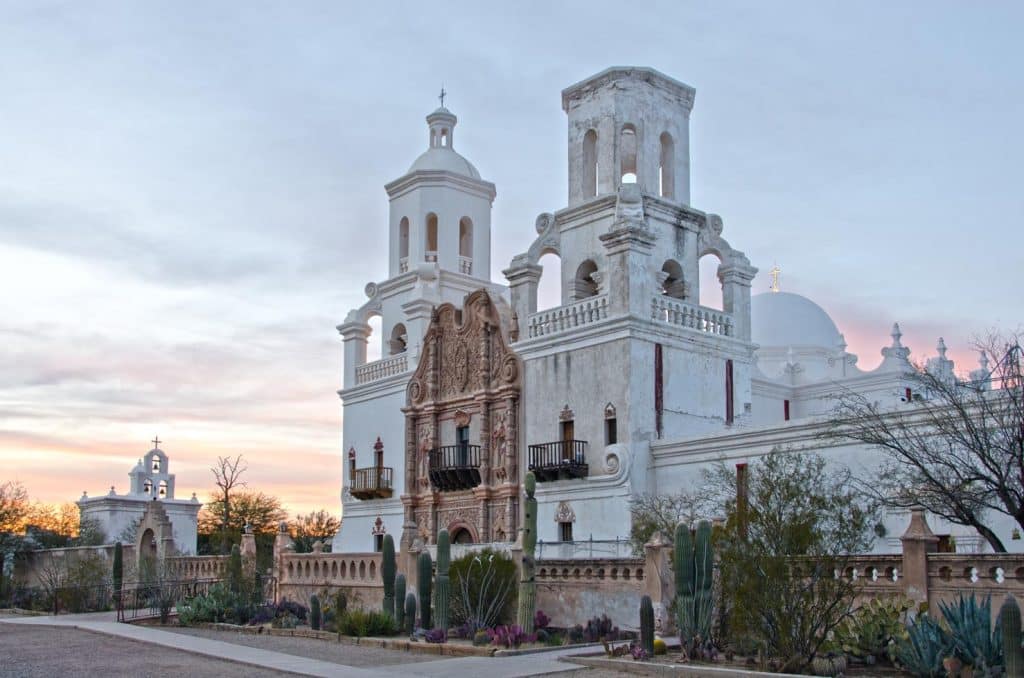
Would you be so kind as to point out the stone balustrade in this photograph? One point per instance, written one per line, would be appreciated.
(554, 320)
(380, 369)
(691, 316)
(198, 567)
(466, 265)
(331, 569)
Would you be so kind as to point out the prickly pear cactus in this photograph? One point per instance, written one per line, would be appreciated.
(425, 574)
(441, 584)
(528, 585)
(388, 568)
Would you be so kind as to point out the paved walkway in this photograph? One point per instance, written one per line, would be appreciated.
(470, 667)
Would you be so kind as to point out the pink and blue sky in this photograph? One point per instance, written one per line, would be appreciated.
(191, 194)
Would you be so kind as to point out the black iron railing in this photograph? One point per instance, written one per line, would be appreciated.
(559, 460)
(372, 483)
(455, 467)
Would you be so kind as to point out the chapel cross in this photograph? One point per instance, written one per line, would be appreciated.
(442, 96)
(774, 273)
(156, 442)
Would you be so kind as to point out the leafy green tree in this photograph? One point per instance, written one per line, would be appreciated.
(14, 509)
(316, 526)
(778, 568)
(652, 513)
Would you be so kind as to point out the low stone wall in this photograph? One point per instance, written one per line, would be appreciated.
(573, 591)
(300, 575)
(31, 568)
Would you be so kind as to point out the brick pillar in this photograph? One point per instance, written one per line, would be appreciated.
(918, 541)
(283, 544)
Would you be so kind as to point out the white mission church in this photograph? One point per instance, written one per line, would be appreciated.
(628, 387)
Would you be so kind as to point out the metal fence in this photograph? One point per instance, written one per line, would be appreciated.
(589, 548)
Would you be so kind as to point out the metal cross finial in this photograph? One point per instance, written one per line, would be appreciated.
(442, 96)
(774, 273)
(156, 442)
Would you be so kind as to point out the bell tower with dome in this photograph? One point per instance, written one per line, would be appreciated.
(439, 252)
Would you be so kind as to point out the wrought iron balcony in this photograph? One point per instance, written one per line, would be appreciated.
(455, 467)
(560, 460)
(372, 483)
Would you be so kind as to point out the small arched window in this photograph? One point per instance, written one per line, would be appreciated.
(465, 237)
(399, 339)
(147, 486)
(431, 238)
(403, 238)
(156, 464)
(590, 164)
(627, 155)
(445, 138)
(585, 282)
(163, 489)
(667, 174)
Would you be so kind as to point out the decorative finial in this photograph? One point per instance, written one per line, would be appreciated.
(941, 348)
(896, 335)
(156, 443)
(442, 95)
(774, 273)
(983, 360)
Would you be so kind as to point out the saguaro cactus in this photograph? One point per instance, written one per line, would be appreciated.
(410, 613)
(441, 586)
(426, 567)
(315, 616)
(1013, 653)
(400, 601)
(118, 573)
(528, 585)
(388, 568)
(647, 625)
(235, 570)
(692, 559)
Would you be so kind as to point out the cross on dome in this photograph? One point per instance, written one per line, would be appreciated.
(442, 96)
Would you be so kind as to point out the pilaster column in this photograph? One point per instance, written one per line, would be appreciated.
(630, 279)
(523, 281)
(736, 279)
(417, 321)
(354, 335)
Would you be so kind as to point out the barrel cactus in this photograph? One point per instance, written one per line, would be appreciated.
(388, 568)
(647, 625)
(441, 585)
(692, 561)
(426, 570)
(528, 584)
(400, 601)
(1013, 653)
(410, 613)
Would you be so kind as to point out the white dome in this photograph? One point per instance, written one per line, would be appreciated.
(445, 159)
(782, 319)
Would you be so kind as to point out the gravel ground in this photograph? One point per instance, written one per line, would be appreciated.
(43, 652)
(324, 650)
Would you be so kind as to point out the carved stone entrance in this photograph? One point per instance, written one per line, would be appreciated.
(462, 427)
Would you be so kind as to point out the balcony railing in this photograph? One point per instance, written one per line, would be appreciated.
(682, 314)
(466, 265)
(555, 320)
(403, 265)
(560, 460)
(455, 467)
(372, 483)
(379, 369)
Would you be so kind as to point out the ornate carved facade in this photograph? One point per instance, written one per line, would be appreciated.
(461, 428)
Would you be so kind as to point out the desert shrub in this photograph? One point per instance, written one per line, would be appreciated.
(484, 589)
(874, 630)
(361, 623)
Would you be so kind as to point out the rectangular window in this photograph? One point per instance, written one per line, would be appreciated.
(378, 542)
(611, 431)
(565, 531)
(785, 409)
(729, 415)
